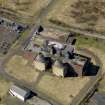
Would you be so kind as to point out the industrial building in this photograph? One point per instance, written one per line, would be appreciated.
(42, 63)
(63, 61)
(77, 64)
(19, 92)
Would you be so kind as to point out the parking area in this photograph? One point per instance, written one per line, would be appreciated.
(7, 38)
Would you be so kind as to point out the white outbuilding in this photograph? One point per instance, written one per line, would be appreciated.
(20, 93)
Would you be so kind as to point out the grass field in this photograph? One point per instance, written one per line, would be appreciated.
(4, 87)
(91, 42)
(19, 68)
(61, 90)
(22, 10)
(88, 15)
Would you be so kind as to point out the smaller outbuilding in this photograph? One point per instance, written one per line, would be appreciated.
(21, 93)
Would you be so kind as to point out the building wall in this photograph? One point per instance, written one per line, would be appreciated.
(17, 95)
(39, 66)
(58, 71)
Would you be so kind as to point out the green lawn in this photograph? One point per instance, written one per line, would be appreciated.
(90, 42)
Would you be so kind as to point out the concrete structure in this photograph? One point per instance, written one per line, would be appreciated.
(56, 44)
(79, 64)
(20, 93)
(59, 69)
(42, 62)
(54, 49)
(39, 63)
(68, 52)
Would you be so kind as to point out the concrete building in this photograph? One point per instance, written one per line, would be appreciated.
(20, 93)
(68, 52)
(54, 49)
(79, 64)
(55, 44)
(39, 63)
(59, 69)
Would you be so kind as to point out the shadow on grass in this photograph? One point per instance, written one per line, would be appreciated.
(32, 94)
(92, 70)
(70, 71)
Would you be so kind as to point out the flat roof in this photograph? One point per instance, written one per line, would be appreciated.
(19, 90)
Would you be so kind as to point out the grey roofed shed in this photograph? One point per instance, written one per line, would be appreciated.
(23, 92)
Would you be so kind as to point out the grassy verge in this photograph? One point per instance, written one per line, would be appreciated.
(91, 42)
(4, 86)
(25, 34)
